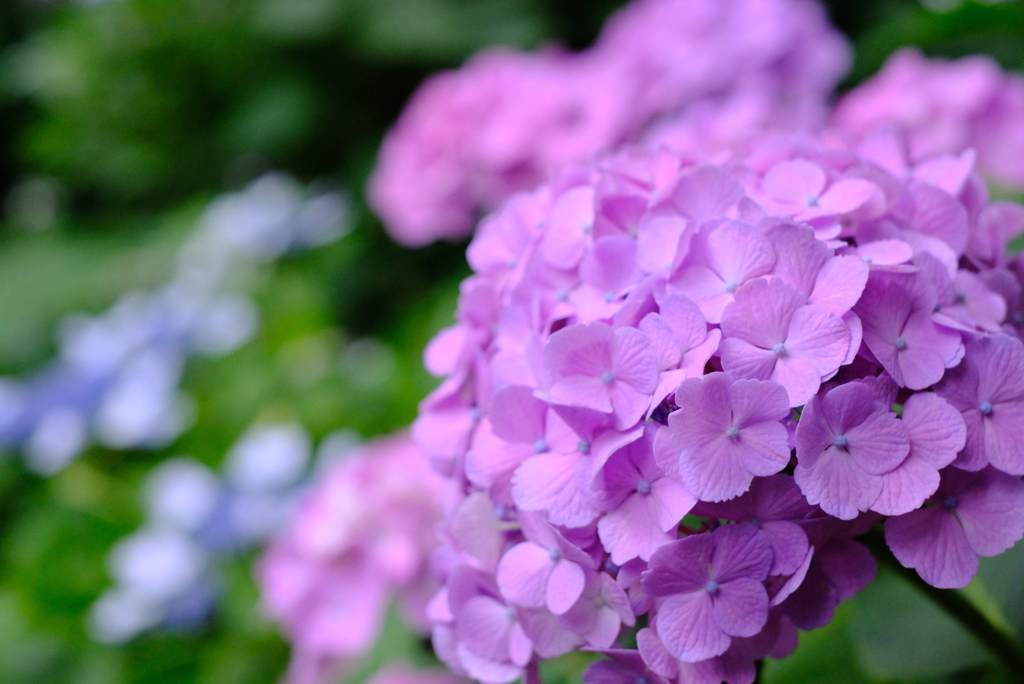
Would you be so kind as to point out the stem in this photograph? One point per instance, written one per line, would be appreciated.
(1004, 646)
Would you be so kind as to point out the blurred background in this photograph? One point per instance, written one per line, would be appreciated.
(166, 376)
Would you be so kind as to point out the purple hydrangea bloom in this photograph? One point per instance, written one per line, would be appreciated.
(624, 317)
(609, 370)
(772, 506)
(643, 506)
(771, 333)
(544, 571)
(845, 442)
(711, 590)
(972, 514)
(988, 390)
(736, 434)
(896, 311)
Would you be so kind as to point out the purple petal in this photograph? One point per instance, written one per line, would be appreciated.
(838, 485)
(681, 566)
(789, 546)
(741, 607)
(936, 429)
(841, 198)
(932, 542)
(579, 350)
(817, 336)
(688, 628)
(655, 654)
(992, 512)
(878, 444)
(716, 471)
(740, 551)
(907, 487)
(762, 313)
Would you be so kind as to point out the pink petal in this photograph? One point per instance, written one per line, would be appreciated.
(842, 197)
(840, 283)
(657, 243)
(632, 530)
(748, 361)
(550, 483)
(565, 585)
(523, 574)
(572, 219)
(818, 337)
(707, 192)
(634, 361)
(796, 182)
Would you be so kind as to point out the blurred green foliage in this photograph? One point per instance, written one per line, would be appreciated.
(119, 120)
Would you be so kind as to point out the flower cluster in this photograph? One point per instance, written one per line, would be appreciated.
(945, 107)
(363, 534)
(165, 573)
(678, 391)
(118, 375)
(470, 138)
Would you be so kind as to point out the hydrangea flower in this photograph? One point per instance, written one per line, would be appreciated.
(945, 107)
(360, 536)
(470, 138)
(696, 340)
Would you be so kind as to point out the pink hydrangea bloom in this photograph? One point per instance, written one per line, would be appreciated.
(945, 107)
(470, 138)
(360, 537)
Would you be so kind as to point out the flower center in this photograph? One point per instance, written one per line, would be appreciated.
(583, 446)
(779, 349)
(711, 587)
(732, 432)
(756, 522)
(609, 297)
(949, 503)
(554, 554)
(540, 446)
(607, 378)
(731, 286)
(841, 441)
(986, 408)
(900, 343)
(643, 486)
